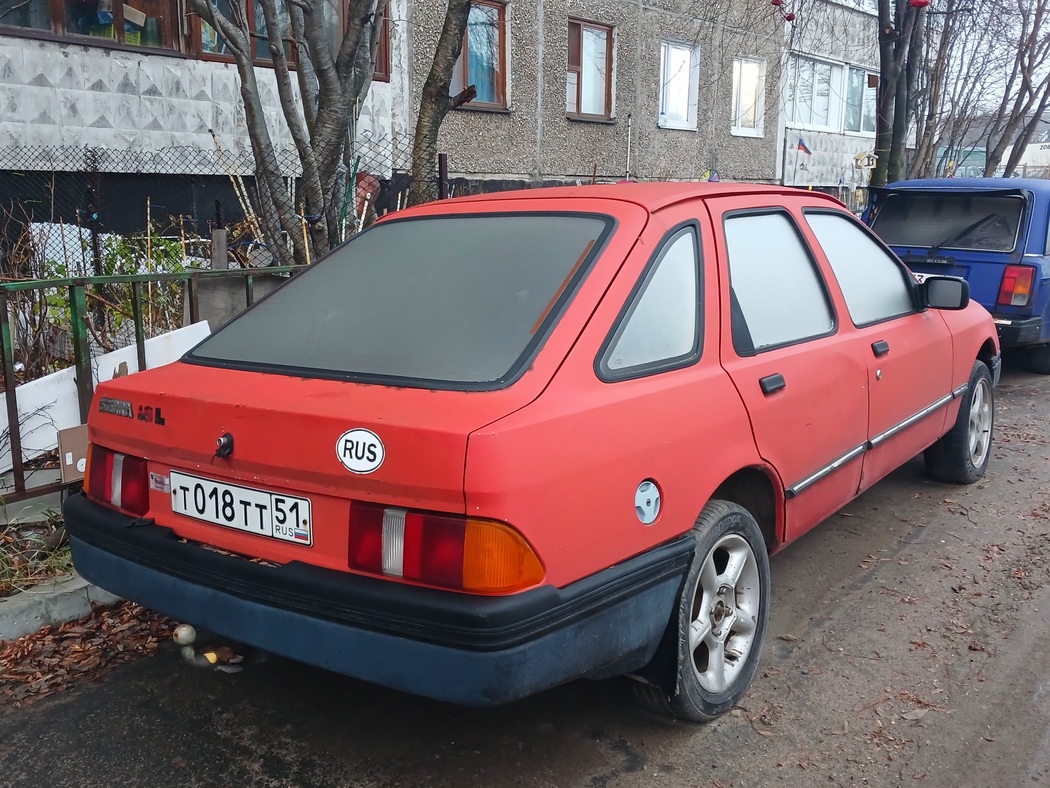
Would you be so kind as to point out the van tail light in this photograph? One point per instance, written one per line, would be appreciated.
(1016, 289)
(118, 480)
(447, 551)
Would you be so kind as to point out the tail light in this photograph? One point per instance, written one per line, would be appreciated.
(117, 479)
(1016, 288)
(458, 553)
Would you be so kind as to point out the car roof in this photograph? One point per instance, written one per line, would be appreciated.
(651, 196)
(1036, 185)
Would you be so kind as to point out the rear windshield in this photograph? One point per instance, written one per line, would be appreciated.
(950, 221)
(443, 300)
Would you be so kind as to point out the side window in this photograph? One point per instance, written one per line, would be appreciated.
(873, 283)
(777, 294)
(659, 329)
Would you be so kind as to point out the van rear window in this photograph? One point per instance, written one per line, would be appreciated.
(950, 221)
(448, 301)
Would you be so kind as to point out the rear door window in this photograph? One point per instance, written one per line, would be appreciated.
(449, 301)
(777, 295)
(965, 221)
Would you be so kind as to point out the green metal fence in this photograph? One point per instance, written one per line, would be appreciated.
(78, 289)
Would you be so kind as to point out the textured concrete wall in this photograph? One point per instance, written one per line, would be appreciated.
(844, 36)
(58, 98)
(534, 139)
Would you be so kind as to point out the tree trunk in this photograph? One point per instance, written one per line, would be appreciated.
(435, 103)
(1026, 136)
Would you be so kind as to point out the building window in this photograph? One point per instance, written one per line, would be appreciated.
(860, 100)
(811, 85)
(588, 77)
(679, 83)
(749, 89)
(382, 72)
(139, 23)
(212, 43)
(482, 62)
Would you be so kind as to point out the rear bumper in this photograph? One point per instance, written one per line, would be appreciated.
(476, 651)
(1018, 331)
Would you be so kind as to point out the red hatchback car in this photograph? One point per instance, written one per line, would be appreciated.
(498, 443)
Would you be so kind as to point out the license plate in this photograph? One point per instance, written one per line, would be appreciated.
(924, 259)
(284, 517)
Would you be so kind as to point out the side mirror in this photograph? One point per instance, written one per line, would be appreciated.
(944, 292)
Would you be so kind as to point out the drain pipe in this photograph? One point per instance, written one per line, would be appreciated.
(627, 174)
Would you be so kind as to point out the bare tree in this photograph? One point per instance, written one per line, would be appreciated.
(964, 53)
(1026, 90)
(900, 26)
(332, 82)
(436, 102)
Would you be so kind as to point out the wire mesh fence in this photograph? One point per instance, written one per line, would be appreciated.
(62, 209)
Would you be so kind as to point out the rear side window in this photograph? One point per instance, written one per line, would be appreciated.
(988, 222)
(778, 297)
(873, 283)
(659, 329)
(451, 301)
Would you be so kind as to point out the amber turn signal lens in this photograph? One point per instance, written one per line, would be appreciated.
(497, 559)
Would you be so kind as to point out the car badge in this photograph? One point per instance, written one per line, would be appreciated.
(360, 450)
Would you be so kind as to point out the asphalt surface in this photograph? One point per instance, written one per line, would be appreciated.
(909, 643)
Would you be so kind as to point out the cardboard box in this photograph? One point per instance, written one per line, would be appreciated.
(72, 453)
(134, 16)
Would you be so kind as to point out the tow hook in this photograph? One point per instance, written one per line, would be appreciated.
(221, 658)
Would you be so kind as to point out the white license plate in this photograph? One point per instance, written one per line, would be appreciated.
(259, 512)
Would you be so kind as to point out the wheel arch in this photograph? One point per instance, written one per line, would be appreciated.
(987, 352)
(756, 490)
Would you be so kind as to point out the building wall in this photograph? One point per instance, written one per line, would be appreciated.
(58, 98)
(534, 140)
(842, 35)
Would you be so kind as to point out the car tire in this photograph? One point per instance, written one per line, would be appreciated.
(961, 455)
(1039, 360)
(720, 623)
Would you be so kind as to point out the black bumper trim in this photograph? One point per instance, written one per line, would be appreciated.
(440, 617)
(1026, 331)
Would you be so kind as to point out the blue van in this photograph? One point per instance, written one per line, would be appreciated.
(993, 232)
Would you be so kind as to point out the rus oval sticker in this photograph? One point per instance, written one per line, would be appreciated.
(360, 450)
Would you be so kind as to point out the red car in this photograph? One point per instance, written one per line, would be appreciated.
(498, 443)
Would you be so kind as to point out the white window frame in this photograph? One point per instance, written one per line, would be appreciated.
(689, 123)
(760, 93)
(845, 100)
(836, 94)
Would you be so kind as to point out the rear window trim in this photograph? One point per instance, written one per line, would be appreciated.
(524, 361)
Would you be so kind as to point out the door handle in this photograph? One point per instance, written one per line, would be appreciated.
(772, 383)
(880, 348)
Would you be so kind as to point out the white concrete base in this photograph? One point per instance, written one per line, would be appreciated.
(54, 602)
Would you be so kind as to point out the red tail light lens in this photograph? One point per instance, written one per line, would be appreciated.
(118, 480)
(1016, 289)
(458, 553)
